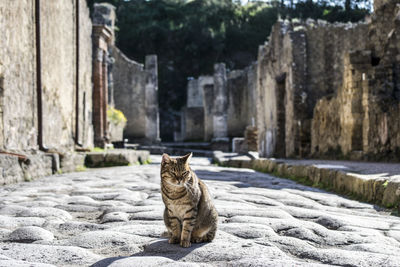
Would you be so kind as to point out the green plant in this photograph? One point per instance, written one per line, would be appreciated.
(116, 116)
(97, 149)
(80, 168)
(385, 184)
(145, 162)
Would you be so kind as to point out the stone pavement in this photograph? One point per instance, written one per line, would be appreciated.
(113, 217)
(374, 182)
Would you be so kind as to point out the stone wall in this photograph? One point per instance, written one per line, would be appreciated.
(241, 96)
(366, 107)
(135, 94)
(58, 72)
(206, 83)
(194, 94)
(220, 107)
(301, 63)
(192, 115)
(85, 77)
(192, 123)
(18, 121)
(280, 77)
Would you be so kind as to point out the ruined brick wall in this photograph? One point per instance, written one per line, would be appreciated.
(238, 103)
(192, 123)
(301, 63)
(135, 94)
(367, 104)
(274, 81)
(327, 45)
(58, 72)
(337, 122)
(207, 85)
(18, 74)
(192, 118)
(129, 93)
(326, 116)
(241, 96)
(381, 86)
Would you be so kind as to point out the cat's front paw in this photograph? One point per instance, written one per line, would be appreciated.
(185, 244)
(173, 240)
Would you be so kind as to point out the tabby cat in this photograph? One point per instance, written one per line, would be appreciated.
(189, 214)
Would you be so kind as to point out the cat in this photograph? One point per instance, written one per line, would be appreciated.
(189, 214)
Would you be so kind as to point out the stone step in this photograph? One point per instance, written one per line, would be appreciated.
(116, 157)
(178, 151)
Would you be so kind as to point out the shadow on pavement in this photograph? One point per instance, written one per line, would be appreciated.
(159, 248)
(250, 178)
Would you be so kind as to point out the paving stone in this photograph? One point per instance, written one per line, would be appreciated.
(45, 212)
(15, 222)
(77, 208)
(30, 234)
(114, 217)
(151, 230)
(50, 254)
(103, 239)
(143, 261)
(17, 263)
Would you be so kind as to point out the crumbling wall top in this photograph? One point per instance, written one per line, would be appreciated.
(104, 15)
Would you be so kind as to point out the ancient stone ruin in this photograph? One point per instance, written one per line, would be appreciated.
(60, 72)
(317, 89)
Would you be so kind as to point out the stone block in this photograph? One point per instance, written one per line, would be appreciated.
(70, 161)
(260, 165)
(272, 166)
(117, 157)
(193, 123)
(38, 165)
(221, 144)
(391, 195)
(116, 132)
(11, 170)
(194, 94)
(239, 145)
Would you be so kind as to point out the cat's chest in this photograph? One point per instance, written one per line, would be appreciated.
(179, 210)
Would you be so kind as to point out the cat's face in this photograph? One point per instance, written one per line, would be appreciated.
(175, 170)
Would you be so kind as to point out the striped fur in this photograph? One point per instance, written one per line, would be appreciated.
(189, 214)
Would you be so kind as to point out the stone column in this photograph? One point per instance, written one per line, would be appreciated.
(110, 78)
(151, 100)
(98, 118)
(105, 95)
(207, 85)
(220, 122)
(101, 41)
(103, 37)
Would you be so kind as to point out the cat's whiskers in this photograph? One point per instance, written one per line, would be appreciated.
(174, 185)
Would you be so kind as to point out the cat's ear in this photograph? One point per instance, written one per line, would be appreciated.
(165, 159)
(187, 158)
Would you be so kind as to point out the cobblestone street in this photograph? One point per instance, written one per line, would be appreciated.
(113, 217)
